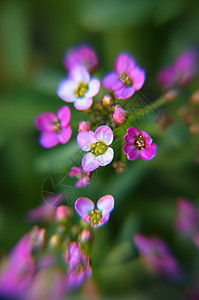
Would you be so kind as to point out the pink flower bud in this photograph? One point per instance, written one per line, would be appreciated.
(86, 236)
(63, 212)
(83, 125)
(120, 115)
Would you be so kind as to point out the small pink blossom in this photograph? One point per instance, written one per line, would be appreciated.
(157, 256)
(63, 213)
(96, 217)
(83, 176)
(83, 55)
(126, 79)
(139, 144)
(119, 115)
(97, 143)
(83, 125)
(79, 88)
(55, 128)
(79, 267)
(181, 72)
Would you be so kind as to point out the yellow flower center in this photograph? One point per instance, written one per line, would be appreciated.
(81, 90)
(140, 142)
(57, 126)
(125, 79)
(95, 217)
(98, 148)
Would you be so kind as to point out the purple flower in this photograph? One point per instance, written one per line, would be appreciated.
(157, 256)
(181, 72)
(83, 55)
(79, 88)
(96, 217)
(139, 144)
(126, 79)
(55, 128)
(82, 175)
(79, 266)
(97, 143)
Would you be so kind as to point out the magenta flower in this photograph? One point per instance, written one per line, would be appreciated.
(126, 79)
(181, 72)
(157, 256)
(96, 217)
(79, 88)
(79, 267)
(55, 128)
(82, 175)
(97, 143)
(139, 144)
(84, 56)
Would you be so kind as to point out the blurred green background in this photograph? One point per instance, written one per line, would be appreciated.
(33, 38)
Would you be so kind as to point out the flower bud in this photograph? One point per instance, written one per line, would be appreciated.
(86, 236)
(194, 128)
(171, 95)
(55, 241)
(107, 99)
(195, 97)
(38, 237)
(120, 115)
(63, 212)
(84, 126)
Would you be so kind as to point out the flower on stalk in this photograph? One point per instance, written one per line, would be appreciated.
(96, 217)
(126, 79)
(157, 256)
(181, 72)
(79, 266)
(139, 144)
(97, 143)
(55, 128)
(79, 88)
(83, 55)
(83, 176)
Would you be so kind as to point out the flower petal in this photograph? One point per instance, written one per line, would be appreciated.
(83, 103)
(112, 82)
(89, 162)
(131, 151)
(64, 114)
(124, 92)
(79, 74)
(65, 135)
(105, 204)
(94, 87)
(66, 90)
(132, 134)
(48, 140)
(149, 152)
(138, 77)
(84, 206)
(105, 158)
(124, 63)
(45, 122)
(148, 139)
(85, 139)
(105, 134)
(103, 221)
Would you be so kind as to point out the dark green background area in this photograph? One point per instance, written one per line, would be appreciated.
(33, 38)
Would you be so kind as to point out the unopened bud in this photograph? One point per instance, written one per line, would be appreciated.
(86, 236)
(84, 126)
(107, 99)
(55, 241)
(171, 95)
(195, 97)
(120, 115)
(63, 213)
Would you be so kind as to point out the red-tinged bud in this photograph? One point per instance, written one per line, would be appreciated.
(63, 213)
(120, 115)
(107, 99)
(84, 126)
(86, 236)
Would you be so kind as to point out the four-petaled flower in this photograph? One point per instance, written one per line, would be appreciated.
(126, 79)
(79, 88)
(82, 175)
(83, 55)
(97, 143)
(79, 266)
(96, 217)
(139, 144)
(55, 128)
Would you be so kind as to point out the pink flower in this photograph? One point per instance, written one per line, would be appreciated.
(79, 266)
(181, 72)
(79, 88)
(97, 143)
(82, 175)
(83, 55)
(55, 128)
(120, 115)
(157, 256)
(96, 217)
(126, 79)
(83, 125)
(139, 144)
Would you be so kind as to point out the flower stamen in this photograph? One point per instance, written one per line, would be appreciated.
(125, 79)
(95, 217)
(81, 90)
(57, 126)
(140, 142)
(98, 148)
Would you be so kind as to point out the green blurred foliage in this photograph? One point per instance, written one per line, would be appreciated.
(33, 38)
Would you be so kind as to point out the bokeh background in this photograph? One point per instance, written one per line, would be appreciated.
(33, 38)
